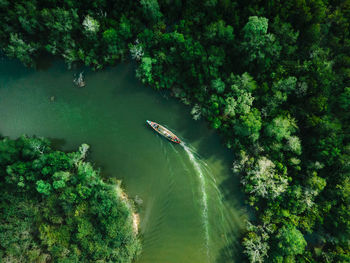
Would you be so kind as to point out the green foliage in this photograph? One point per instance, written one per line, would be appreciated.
(249, 125)
(20, 49)
(91, 25)
(262, 178)
(219, 32)
(125, 28)
(241, 88)
(294, 144)
(255, 28)
(344, 99)
(259, 45)
(151, 9)
(218, 85)
(287, 63)
(230, 108)
(216, 123)
(291, 241)
(145, 70)
(255, 244)
(55, 206)
(43, 187)
(59, 20)
(15, 233)
(110, 36)
(280, 128)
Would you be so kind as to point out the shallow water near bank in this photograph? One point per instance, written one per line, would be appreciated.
(192, 209)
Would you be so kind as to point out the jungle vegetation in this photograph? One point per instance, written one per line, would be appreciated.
(271, 76)
(56, 208)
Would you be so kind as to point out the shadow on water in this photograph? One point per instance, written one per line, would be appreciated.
(16, 68)
(231, 252)
(58, 143)
(44, 61)
(231, 190)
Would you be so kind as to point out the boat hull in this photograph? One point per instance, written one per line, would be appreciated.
(164, 132)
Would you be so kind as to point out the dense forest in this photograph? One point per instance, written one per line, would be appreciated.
(272, 77)
(56, 208)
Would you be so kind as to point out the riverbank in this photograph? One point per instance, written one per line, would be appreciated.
(135, 217)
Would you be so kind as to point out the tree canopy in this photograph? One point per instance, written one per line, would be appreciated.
(56, 208)
(272, 77)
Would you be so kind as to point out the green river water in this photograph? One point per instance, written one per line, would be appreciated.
(192, 209)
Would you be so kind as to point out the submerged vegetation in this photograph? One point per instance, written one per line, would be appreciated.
(272, 76)
(56, 208)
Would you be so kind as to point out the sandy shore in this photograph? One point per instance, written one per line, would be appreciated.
(135, 216)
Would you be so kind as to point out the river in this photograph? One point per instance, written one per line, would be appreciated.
(191, 208)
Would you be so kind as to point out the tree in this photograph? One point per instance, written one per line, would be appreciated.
(218, 85)
(244, 99)
(91, 25)
(216, 123)
(249, 125)
(19, 48)
(280, 128)
(145, 70)
(286, 86)
(290, 241)
(230, 108)
(344, 99)
(136, 51)
(259, 45)
(151, 10)
(60, 179)
(110, 36)
(43, 187)
(262, 179)
(125, 31)
(294, 145)
(255, 248)
(280, 90)
(58, 24)
(60, 21)
(219, 32)
(256, 243)
(240, 100)
(286, 36)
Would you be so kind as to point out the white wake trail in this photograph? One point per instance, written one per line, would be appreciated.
(204, 197)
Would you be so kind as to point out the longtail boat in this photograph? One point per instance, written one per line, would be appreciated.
(163, 131)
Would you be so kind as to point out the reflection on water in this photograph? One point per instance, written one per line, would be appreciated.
(184, 216)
